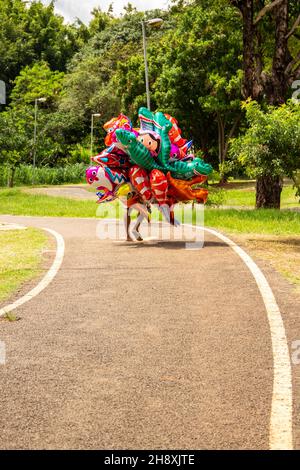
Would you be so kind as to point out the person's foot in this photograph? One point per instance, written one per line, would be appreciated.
(137, 235)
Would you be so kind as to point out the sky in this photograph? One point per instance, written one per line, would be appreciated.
(71, 9)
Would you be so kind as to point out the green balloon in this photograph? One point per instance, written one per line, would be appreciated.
(141, 156)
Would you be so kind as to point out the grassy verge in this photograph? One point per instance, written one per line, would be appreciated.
(268, 221)
(246, 197)
(20, 258)
(262, 221)
(16, 202)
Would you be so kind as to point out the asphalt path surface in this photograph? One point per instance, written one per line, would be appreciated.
(138, 346)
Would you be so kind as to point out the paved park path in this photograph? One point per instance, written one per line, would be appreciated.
(138, 346)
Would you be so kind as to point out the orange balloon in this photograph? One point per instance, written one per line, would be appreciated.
(182, 190)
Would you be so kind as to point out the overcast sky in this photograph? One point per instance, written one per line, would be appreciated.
(71, 9)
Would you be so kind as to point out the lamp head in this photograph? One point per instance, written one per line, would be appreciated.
(154, 22)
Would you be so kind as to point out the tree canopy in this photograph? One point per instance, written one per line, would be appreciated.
(205, 59)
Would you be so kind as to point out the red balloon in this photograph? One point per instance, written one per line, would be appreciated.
(140, 181)
(159, 186)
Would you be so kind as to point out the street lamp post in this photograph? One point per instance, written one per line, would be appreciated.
(36, 101)
(92, 130)
(152, 22)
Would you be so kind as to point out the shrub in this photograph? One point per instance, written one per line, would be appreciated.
(25, 175)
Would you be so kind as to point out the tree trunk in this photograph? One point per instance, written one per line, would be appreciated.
(11, 177)
(268, 192)
(224, 141)
(269, 85)
(221, 140)
(281, 58)
(251, 86)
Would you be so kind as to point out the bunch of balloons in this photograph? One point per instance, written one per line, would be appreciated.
(149, 164)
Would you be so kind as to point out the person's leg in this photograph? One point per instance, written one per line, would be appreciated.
(136, 228)
(127, 221)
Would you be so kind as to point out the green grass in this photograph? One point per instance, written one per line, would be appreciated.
(246, 197)
(16, 202)
(231, 220)
(20, 258)
(262, 221)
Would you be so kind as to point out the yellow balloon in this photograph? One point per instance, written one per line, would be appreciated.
(124, 189)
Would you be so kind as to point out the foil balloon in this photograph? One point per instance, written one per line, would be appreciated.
(146, 165)
(151, 140)
(113, 157)
(120, 122)
(182, 190)
(106, 181)
(140, 180)
(159, 186)
(174, 153)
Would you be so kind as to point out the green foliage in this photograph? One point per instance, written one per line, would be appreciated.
(216, 196)
(57, 131)
(91, 86)
(79, 153)
(15, 141)
(296, 179)
(31, 32)
(195, 66)
(25, 175)
(271, 144)
(52, 150)
(195, 72)
(100, 21)
(88, 90)
(37, 81)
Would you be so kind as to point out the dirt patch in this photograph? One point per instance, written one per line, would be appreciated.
(283, 253)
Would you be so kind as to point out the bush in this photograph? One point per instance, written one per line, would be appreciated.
(271, 144)
(25, 175)
(216, 196)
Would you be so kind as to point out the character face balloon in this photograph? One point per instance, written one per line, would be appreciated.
(174, 153)
(151, 140)
(121, 122)
(91, 174)
(96, 176)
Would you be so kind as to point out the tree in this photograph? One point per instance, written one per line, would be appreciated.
(195, 74)
(270, 148)
(37, 81)
(271, 63)
(87, 90)
(271, 45)
(89, 87)
(15, 144)
(100, 20)
(31, 32)
(57, 131)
